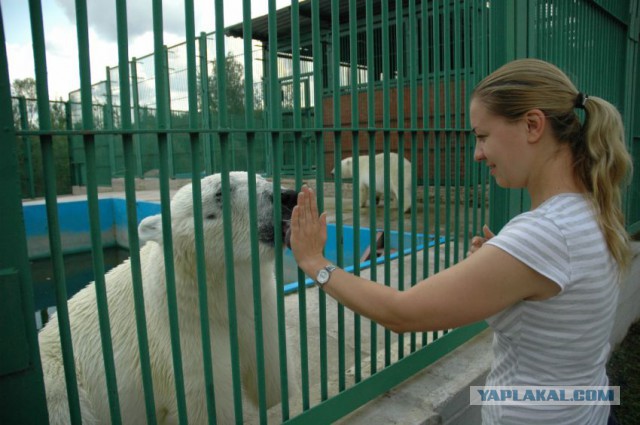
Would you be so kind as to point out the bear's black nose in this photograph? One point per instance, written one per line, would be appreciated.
(289, 199)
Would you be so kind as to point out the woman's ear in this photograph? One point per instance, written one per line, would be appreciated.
(536, 123)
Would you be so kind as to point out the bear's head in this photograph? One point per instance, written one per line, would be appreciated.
(183, 227)
(346, 168)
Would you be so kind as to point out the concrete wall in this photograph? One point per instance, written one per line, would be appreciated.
(73, 217)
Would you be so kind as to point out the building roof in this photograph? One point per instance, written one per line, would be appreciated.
(260, 25)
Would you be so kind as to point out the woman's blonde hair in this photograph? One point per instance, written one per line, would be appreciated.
(601, 159)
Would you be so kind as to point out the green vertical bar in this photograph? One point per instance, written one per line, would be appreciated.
(355, 153)
(50, 193)
(447, 124)
(298, 147)
(438, 128)
(371, 123)
(194, 139)
(337, 139)
(457, 107)
(167, 100)
(468, 161)
(132, 219)
(159, 60)
(401, 134)
(485, 65)
(386, 143)
(476, 19)
(22, 394)
(137, 143)
(426, 111)
(447, 193)
(225, 152)
(253, 220)
(438, 135)
(413, 84)
(320, 168)
(276, 140)
(509, 42)
(94, 211)
(206, 109)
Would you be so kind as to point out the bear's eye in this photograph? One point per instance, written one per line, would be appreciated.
(211, 216)
(218, 197)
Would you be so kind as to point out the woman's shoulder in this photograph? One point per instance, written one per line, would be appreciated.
(557, 212)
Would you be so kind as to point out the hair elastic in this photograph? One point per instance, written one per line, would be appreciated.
(581, 100)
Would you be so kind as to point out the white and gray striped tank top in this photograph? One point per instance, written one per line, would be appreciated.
(563, 340)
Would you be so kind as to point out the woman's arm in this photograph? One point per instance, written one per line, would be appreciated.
(476, 288)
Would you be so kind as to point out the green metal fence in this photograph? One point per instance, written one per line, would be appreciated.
(329, 79)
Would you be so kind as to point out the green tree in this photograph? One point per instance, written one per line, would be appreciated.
(29, 152)
(25, 88)
(234, 86)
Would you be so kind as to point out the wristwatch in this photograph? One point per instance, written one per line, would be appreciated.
(324, 274)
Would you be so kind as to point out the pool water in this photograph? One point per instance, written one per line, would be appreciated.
(79, 268)
(74, 229)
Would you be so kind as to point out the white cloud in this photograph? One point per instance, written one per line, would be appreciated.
(61, 35)
(102, 16)
(21, 62)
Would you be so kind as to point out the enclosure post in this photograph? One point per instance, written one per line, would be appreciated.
(22, 396)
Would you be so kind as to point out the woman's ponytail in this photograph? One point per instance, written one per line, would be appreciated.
(603, 165)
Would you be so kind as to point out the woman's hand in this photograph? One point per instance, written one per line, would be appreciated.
(478, 241)
(308, 233)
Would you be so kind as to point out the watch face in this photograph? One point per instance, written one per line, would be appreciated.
(323, 276)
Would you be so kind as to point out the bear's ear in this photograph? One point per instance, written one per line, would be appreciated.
(150, 229)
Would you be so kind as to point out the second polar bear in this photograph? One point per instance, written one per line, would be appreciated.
(347, 171)
(85, 331)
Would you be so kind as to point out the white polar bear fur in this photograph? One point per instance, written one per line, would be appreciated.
(86, 334)
(347, 171)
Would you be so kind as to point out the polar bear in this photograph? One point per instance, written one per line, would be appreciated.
(85, 329)
(347, 171)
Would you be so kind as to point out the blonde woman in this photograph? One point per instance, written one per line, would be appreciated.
(547, 282)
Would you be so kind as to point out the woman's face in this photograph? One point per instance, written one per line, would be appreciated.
(502, 145)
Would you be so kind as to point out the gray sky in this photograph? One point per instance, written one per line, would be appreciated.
(61, 38)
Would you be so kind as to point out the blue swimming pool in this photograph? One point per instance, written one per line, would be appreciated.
(76, 244)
